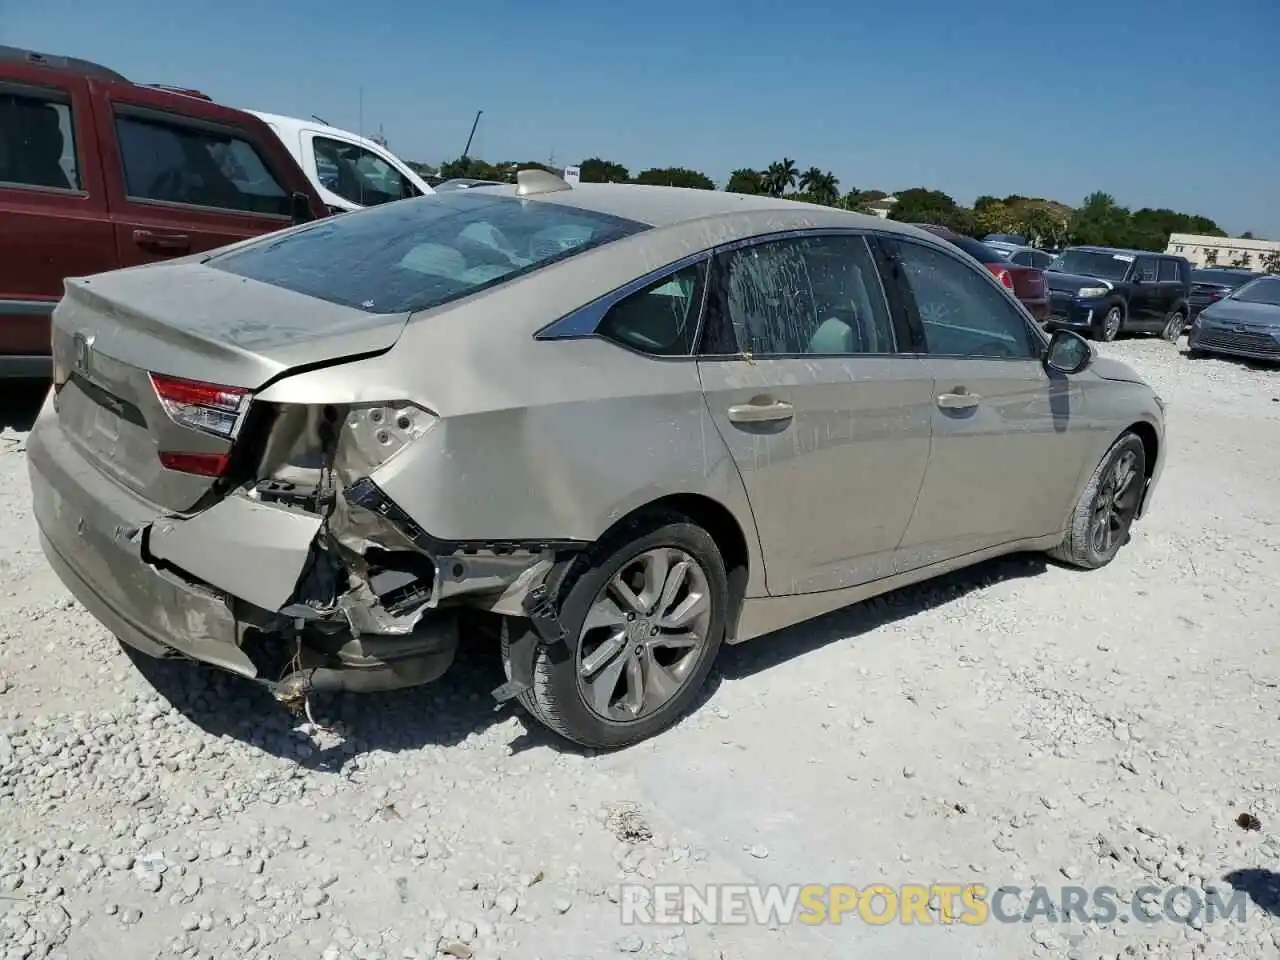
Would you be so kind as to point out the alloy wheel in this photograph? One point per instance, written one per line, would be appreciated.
(1111, 324)
(1115, 504)
(643, 634)
(1173, 329)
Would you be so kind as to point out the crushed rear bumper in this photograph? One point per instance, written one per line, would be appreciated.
(200, 587)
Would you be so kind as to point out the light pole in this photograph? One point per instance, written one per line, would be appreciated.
(466, 151)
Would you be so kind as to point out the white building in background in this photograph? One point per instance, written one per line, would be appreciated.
(882, 206)
(1205, 251)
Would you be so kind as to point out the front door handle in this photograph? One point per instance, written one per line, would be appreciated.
(958, 401)
(761, 410)
(162, 242)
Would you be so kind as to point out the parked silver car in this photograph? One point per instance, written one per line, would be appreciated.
(1243, 323)
(632, 422)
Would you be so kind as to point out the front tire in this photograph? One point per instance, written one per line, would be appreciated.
(1173, 328)
(1106, 509)
(645, 613)
(1111, 324)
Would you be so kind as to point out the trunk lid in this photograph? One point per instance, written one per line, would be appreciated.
(112, 331)
(1028, 282)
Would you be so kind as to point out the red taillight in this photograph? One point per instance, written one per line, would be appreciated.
(208, 407)
(1003, 275)
(199, 464)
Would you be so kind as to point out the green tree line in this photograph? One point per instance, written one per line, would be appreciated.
(1048, 223)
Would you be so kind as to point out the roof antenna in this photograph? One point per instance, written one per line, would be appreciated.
(321, 120)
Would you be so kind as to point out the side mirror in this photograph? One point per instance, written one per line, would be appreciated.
(300, 208)
(1068, 352)
(1136, 279)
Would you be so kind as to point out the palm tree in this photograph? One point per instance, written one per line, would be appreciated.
(780, 176)
(822, 186)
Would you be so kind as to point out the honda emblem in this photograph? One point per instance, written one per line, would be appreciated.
(82, 352)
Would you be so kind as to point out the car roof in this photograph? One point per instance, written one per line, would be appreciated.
(51, 61)
(669, 206)
(295, 125)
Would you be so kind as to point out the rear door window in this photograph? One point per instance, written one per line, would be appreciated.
(402, 257)
(1169, 271)
(802, 297)
(37, 141)
(173, 162)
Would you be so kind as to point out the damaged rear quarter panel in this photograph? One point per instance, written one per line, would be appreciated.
(542, 439)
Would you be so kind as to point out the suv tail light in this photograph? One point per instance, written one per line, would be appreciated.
(1001, 274)
(208, 408)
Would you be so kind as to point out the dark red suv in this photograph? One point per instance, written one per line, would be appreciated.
(97, 173)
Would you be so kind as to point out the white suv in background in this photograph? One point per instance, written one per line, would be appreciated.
(348, 170)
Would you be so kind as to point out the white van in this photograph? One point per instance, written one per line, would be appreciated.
(350, 171)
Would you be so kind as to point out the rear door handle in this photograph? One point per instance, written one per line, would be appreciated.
(958, 401)
(761, 411)
(166, 242)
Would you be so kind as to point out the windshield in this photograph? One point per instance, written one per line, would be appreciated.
(1263, 290)
(420, 253)
(1093, 263)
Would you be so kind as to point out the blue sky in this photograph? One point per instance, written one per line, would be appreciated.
(1159, 102)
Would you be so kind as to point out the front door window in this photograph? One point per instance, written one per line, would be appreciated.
(359, 175)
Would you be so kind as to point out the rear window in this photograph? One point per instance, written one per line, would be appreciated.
(1226, 278)
(417, 254)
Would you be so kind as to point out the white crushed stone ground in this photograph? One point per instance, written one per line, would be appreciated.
(1017, 723)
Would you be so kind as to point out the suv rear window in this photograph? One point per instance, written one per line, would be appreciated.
(37, 142)
(420, 253)
(1227, 278)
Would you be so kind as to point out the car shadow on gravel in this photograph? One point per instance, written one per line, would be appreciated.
(1260, 885)
(853, 621)
(21, 405)
(444, 713)
(460, 706)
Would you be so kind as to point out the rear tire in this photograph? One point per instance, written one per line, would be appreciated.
(1106, 509)
(1174, 326)
(609, 686)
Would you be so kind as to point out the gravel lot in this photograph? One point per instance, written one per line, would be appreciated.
(1015, 724)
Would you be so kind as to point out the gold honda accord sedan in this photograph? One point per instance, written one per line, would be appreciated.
(622, 424)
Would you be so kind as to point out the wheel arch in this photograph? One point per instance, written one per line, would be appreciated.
(1150, 443)
(724, 528)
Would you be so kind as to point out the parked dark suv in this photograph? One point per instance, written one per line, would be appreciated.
(1100, 292)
